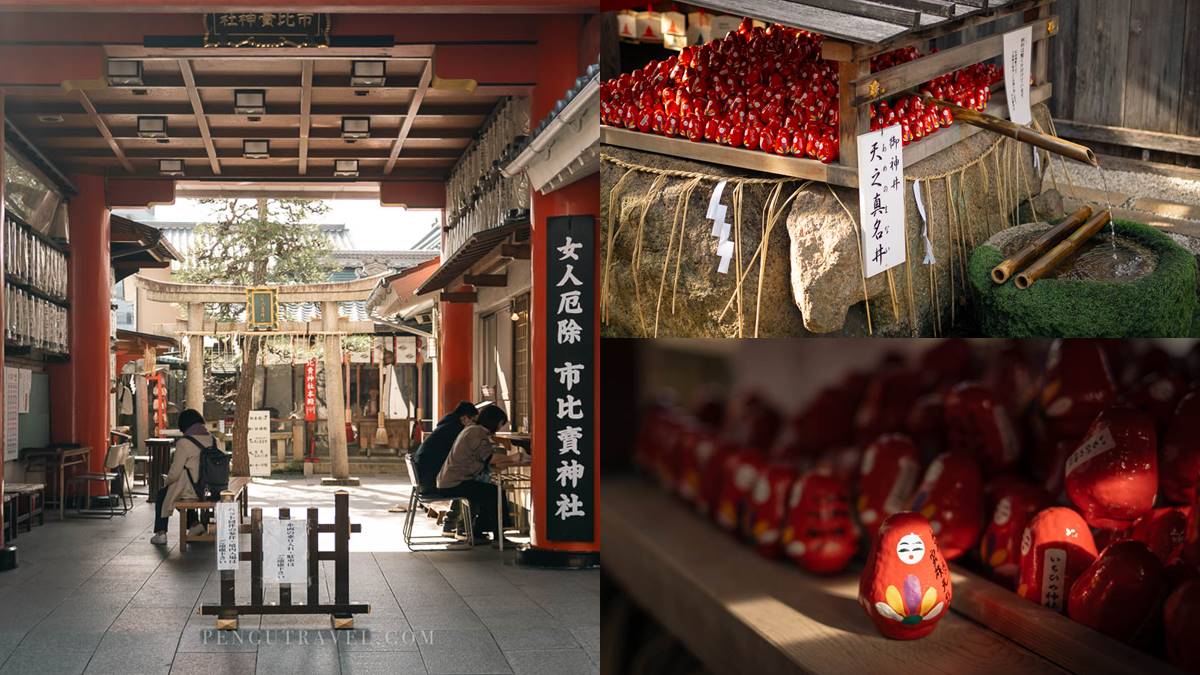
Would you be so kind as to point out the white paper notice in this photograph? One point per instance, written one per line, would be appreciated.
(1018, 47)
(285, 550)
(26, 381)
(881, 199)
(227, 535)
(258, 442)
(12, 385)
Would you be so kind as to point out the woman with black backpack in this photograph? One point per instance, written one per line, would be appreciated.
(185, 475)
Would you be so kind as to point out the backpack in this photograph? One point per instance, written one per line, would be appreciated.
(214, 469)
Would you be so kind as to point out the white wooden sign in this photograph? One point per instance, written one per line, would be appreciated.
(227, 535)
(1018, 47)
(881, 199)
(285, 550)
(258, 442)
(12, 385)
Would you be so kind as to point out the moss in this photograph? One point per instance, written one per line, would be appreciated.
(1161, 304)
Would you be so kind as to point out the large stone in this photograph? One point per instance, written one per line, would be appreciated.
(639, 294)
(827, 279)
(812, 281)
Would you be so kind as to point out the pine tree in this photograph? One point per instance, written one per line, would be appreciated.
(253, 243)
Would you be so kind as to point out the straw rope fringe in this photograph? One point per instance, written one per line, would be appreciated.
(960, 229)
(772, 214)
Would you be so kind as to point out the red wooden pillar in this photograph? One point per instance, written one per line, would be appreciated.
(80, 403)
(454, 355)
(557, 68)
(5, 562)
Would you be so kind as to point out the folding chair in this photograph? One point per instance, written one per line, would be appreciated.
(114, 473)
(432, 500)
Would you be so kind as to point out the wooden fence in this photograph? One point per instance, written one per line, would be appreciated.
(1126, 77)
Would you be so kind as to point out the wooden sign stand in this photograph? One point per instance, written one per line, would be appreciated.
(341, 612)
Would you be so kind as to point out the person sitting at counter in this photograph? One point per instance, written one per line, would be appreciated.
(185, 469)
(465, 471)
(432, 453)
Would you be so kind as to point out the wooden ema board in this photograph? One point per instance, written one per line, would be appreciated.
(731, 607)
(797, 167)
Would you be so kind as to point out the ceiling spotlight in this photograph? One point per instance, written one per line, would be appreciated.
(152, 126)
(256, 148)
(123, 73)
(368, 73)
(250, 101)
(356, 127)
(170, 167)
(346, 168)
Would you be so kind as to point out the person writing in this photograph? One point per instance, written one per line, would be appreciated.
(432, 453)
(472, 454)
(184, 471)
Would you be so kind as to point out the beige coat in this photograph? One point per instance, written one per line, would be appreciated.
(178, 484)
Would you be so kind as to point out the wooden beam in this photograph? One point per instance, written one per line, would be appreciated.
(306, 80)
(936, 7)
(414, 107)
(515, 251)
(886, 83)
(103, 129)
(189, 78)
(896, 15)
(494, 280)
(460, 296)
(1133, 138)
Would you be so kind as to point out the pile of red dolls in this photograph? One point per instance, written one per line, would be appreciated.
(1073, 483)
(770, 90)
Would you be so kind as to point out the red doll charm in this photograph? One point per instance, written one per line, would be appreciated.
(905, 586)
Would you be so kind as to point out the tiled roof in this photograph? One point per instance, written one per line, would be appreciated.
(592, 72)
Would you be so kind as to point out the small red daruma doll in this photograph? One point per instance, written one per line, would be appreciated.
(1077, 385)
(1056, 548)
(1120, 593)
(978, 423)
(768, 507)
(1180, 460)
(1112, 476)
(951, 497)
(1181, 619)
(905, 586)
(739, 472)
(888, 474)
(820, 536)
(1000, 547)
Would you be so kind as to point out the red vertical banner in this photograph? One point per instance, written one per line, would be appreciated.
(310, 391)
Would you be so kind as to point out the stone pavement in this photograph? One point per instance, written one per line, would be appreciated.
(94, 596)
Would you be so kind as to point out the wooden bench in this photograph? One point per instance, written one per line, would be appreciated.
(28, 503)
(237, 485)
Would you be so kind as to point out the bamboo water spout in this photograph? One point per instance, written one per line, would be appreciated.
(1024, 134)
(1046, 264)
(1035, 248)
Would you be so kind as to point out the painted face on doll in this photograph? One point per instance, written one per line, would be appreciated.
(910, 549)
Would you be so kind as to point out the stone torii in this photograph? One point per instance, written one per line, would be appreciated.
(332, 327)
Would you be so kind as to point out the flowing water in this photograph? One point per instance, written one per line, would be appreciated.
(1112, 226)
(1121, 259)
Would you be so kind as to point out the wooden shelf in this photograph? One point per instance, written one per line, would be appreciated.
(733, 608)
(797, 167)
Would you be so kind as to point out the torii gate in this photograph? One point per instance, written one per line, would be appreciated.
(332, 327)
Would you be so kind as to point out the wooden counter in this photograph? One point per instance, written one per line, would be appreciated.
(733, 608)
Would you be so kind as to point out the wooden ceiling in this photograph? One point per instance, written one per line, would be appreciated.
(419, 127)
